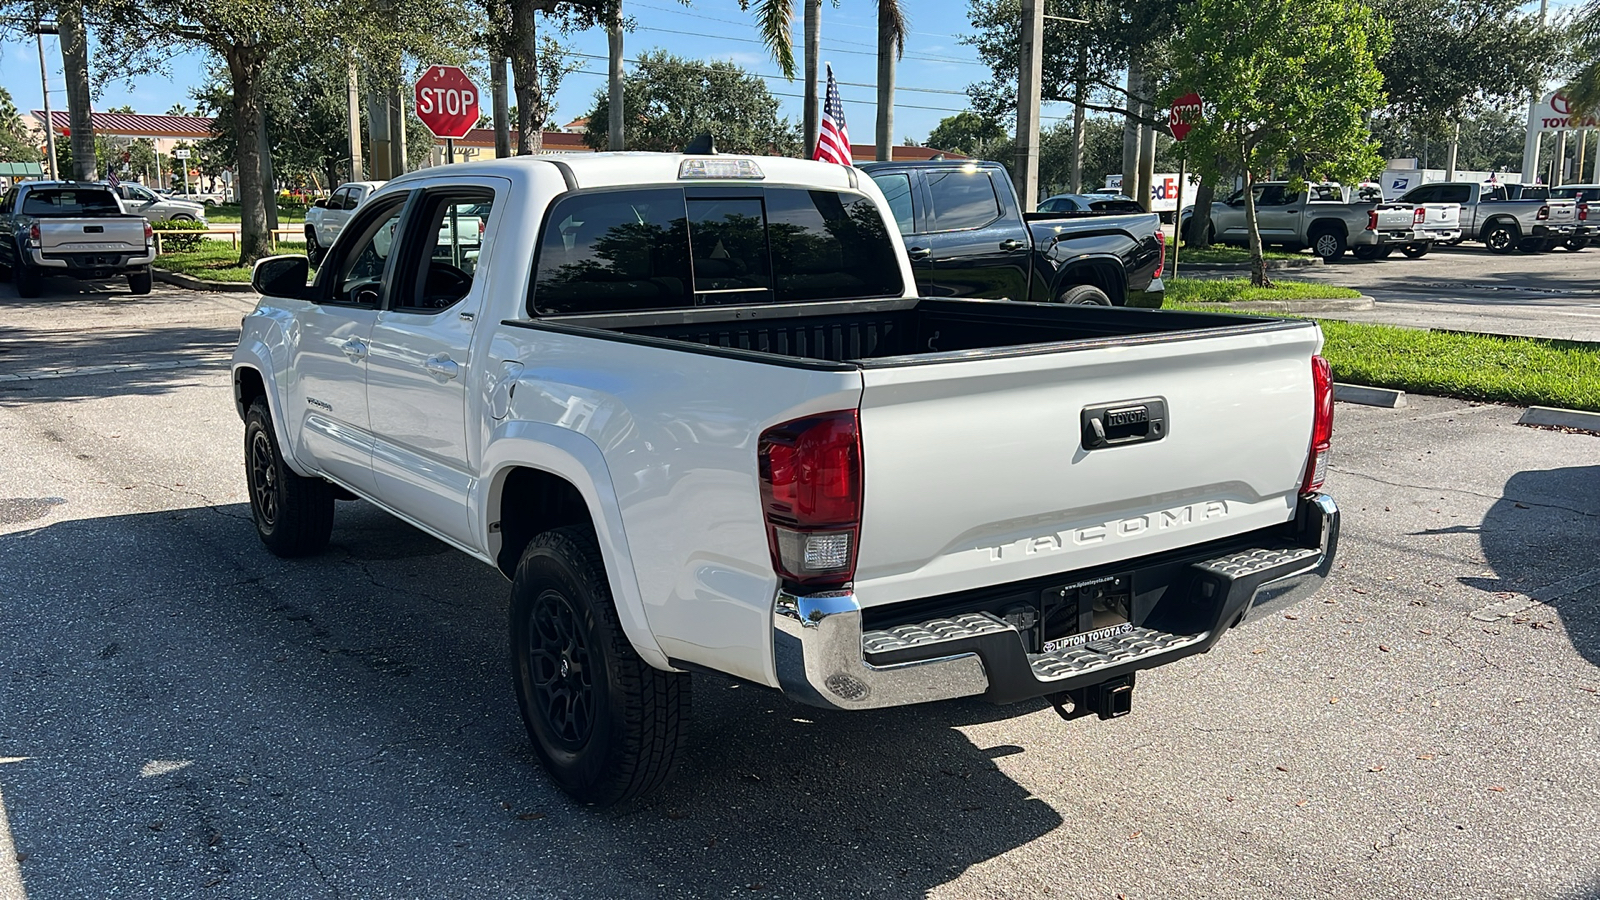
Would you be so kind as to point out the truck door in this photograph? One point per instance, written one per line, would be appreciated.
(330, 349)
(905, 201)
(420, 367)
(978, 250)
(1278, 214)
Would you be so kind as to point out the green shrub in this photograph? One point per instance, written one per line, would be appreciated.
(179, 243)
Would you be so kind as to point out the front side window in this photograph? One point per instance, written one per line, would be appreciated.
(360, 274)
(962, 199)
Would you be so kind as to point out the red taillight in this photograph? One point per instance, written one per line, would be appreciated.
(1161, 260)
(1419, 216)
(480, 226)
(1372, 220)
(1321, 425)
(1583, 212)
(1544, 213)
(149, 233)
(811, 494)
(33, 233)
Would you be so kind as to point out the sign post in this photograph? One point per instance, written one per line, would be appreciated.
(447, 102)
(183, 155)
(1181, 118)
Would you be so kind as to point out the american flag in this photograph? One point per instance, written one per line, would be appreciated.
(112, 179)
(833, 143)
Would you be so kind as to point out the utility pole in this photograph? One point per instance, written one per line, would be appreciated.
(1028, 88)
(378, 132)
(39, 31)
(502, 103)
(614, 136)
(353, 101)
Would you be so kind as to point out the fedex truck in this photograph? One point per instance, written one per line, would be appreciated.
(1163, 190)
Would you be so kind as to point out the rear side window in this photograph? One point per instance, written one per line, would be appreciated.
(896, 187)
(70, 202)
(618, 251)
(962, 199)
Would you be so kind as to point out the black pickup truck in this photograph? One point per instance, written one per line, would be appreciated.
(968, 237)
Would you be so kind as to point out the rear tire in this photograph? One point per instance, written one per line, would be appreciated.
(1501, 237)
(1329, 246)
(606, 725)
(314, 251)
(1367, 251)
(1530, 245)
(27, 283)
(139, 282)
(1084, 295)
(1576, 244)
(1416, 251)
(293, 513)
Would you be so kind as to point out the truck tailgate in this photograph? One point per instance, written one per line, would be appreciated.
(1395, 217)
(1440, 215)
(109, 235)
(977, 472)
(1562, 212)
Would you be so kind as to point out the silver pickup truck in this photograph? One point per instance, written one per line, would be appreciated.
(1492, 214)
(1325, 218)
(76, 229)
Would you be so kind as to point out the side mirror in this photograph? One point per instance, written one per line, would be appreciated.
(280, 276)
(320, 204)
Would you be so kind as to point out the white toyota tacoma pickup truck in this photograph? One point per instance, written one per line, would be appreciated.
(692, 407)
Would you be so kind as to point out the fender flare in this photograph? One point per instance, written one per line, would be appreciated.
(256, 355)
(1494, 220)
(1058, 280)
(1327, 223)
(577, 459)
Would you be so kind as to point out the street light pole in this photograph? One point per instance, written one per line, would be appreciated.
(39, 32)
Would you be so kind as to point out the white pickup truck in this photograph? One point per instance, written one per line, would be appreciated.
(326, 218)
(693, 409)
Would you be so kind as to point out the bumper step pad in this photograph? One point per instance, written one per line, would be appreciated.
(1128, 647)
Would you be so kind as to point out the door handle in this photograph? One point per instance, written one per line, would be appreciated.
(918, 252)
(442, 367)
(354, 348)
(1011, 244)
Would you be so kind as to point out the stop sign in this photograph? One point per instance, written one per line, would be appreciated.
(1184, 114)
(447, 102)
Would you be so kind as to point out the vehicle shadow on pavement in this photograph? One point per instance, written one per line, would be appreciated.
(218, 722)
(1539, 539)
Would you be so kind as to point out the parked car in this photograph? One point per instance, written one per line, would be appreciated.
(138, 199)
(968, 237)
(1493, 215)
(1325, 218)
(326, 218)
(1585, 196)
(695, 410)
(73, 229)
(1092, 204)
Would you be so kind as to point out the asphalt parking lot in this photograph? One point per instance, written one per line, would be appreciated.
(184, 715)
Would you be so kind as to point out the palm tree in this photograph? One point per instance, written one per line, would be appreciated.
(773, 18)
(1584, 89)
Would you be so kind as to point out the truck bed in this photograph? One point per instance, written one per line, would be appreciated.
(905, 331)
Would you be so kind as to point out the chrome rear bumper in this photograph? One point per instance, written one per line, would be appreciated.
(823, 651)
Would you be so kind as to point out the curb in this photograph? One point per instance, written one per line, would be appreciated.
(1561, 418)
(1352, 304)
(1245, 266)
(197, 284)
(1369, 396)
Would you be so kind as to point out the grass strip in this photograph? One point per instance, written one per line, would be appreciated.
(217, 261)
(1518, 371)
(1223, 253)
(228, 213)
(1238, 290)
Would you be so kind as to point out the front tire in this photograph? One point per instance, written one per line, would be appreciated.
(1329, 246)
(1367, 251)
(1502, 237)
(606, 725)
(314, 251)
(293, 513)
(1416, 251)
(1576, 244)
(139, 282)
(1084, 295)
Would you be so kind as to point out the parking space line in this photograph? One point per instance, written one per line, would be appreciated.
(10, 868)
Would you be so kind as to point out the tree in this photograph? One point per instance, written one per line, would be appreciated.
(16, 142)
(538, 65)
(1491, 140)
(1584, 87)
(773, 21)
(1287, 83)
(75, 72)
(1462, 55)
(966, 133)
(670, 101)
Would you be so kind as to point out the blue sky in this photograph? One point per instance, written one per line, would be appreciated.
(935, 63)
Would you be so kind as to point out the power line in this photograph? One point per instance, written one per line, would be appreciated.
(874, 53)
(695, 15)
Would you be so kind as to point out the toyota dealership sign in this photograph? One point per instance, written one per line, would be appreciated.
(1554, 113)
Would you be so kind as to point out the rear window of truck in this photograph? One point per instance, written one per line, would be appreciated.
(665, 248)
(70, 202)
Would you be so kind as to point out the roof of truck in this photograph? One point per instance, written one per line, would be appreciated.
(592, 170)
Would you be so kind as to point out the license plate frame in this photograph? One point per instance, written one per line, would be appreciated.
(1085, 611)
(1084, 638)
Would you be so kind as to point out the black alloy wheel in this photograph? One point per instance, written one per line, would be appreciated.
(561, 671)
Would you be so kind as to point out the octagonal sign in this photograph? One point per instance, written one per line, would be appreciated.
(447, 102)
